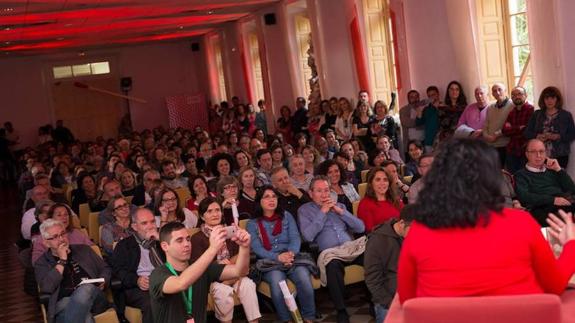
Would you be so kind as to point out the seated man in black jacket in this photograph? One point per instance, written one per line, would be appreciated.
(60, 272)
(134, 258)
(380, 261)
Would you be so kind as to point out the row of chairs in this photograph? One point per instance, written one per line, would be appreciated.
(89, 220)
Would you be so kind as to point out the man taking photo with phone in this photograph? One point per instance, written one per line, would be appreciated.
(178, 290)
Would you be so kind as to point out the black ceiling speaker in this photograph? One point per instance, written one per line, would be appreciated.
(270, 19)
(126, 83)
(195, 47)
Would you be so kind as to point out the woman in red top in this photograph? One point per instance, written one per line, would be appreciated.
(464, 243)
(380, 203)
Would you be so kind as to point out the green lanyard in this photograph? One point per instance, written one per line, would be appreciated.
(187, 298)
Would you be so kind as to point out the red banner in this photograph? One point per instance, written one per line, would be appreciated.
(187, 111)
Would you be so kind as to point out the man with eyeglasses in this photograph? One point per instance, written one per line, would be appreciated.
(543, 186)
(60, 272)
(135, 258)
(328, 223)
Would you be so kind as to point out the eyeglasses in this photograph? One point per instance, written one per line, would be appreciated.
(121, 206)
(63, 234)
(230, 187)
(536, 152)
(170, 200)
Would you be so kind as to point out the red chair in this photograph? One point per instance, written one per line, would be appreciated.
(534, 308)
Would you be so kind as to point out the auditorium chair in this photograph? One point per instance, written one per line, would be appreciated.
(361, 189)
(108, 316)
(534, 308)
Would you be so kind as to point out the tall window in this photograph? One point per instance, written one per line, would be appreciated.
(380, 54)
(504, 42)
(303, 37)
(220, 69)
(256, 67)
(519, 42)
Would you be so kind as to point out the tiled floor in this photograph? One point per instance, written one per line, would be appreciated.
(17, 307)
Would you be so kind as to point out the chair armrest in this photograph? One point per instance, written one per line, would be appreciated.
(115, 284)
(44, 299)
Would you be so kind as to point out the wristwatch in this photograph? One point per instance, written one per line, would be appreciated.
(62, 262)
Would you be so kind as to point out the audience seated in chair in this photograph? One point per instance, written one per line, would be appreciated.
(543, 186)
(63, 214)
(112, 232)
(380, 202)
(210, 213)
(290, 198)
(133, 260)
(177, 276)
(276, 244)
(327, 222)
(60, 270)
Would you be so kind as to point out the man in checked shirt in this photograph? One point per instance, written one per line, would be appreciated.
(514, 127)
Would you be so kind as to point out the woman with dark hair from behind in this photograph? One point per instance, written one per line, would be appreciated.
(276, 239)
(553, 125)
(471, 244)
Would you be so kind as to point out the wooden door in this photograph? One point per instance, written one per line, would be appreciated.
(87, 113)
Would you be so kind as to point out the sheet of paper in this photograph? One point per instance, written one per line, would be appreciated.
(91, 281)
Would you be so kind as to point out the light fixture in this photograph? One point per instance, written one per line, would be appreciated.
(210, 12)
(81, 54)
(181, 27)
(8, 9)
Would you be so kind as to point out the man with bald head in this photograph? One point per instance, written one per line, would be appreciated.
(514, 128)
(473, 117)
(543, 186)
(497, 113)
(135, 257)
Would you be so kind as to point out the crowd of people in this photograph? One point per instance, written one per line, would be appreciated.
(298, 189)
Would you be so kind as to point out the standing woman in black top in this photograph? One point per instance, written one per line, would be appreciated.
(553, 125)
(361, 123)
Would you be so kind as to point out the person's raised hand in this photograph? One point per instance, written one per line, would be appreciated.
(218, 237)
(242, 238)
(553, 164)
(561, 226)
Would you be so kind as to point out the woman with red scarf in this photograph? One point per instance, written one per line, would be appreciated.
(276, 237)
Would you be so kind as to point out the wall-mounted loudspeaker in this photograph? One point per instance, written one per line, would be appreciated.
(270, 19)
(195, 47)
(126, 84)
